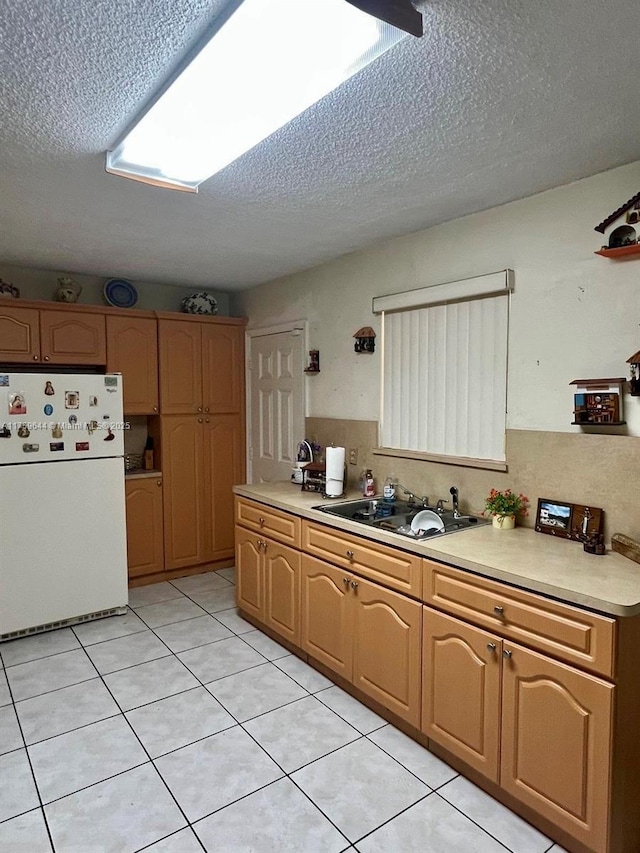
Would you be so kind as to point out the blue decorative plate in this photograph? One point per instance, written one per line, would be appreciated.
(120, 293)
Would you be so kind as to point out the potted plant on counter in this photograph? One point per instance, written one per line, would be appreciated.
(503, 507)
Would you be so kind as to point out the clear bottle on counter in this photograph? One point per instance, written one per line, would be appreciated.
(389, 489)
(369, 485)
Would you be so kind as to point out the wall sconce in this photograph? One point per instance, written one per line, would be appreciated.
(365, 340)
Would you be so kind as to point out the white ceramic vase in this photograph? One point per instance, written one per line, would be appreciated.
(504, 522)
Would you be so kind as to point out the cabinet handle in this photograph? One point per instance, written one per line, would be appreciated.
(46, 358)
(499, 611)
(36, 358)
(506, 654)
(346, 581)
(491, 647)
(350, 555)
(354, 584)
(261, 520)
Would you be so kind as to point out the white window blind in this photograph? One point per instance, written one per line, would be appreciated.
(445, 378)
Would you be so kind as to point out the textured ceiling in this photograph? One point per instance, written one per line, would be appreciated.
(501, 99)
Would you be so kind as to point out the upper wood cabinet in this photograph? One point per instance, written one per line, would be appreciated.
(201, 366)
(52, 336)
(132, 349)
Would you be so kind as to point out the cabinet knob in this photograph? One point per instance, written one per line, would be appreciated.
(354, 584)
(36, 358)
(350, 555)
(265, 545)
(346, 581)
(199, 420)
(199, 408)
(158, 482)
(259, 543)
(506, 654)
(207, 420)
(206, 408)
(155, 408)
(499, 611)
(491, 647)
(46, 358)
(261, 520)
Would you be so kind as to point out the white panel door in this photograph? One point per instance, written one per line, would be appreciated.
(277, 405)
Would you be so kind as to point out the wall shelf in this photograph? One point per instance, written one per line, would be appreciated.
(620, 252)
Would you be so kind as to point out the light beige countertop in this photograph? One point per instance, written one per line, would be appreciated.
(556, 567)
(140, 474)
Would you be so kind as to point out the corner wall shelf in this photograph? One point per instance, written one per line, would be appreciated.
(620, 252)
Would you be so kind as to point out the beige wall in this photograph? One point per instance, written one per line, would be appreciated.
(574, 315)
(153, 296)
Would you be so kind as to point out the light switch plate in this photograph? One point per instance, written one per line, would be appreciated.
(353, 456)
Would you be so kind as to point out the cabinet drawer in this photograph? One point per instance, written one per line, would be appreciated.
(390, 567)
(567, 632)
(279, 525)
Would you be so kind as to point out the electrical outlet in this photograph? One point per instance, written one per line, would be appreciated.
(353, 456)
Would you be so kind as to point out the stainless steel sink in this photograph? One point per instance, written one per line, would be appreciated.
(397, 517)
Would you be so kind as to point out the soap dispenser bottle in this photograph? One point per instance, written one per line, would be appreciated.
(369, 485)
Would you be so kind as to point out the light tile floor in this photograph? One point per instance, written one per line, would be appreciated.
(179, 728)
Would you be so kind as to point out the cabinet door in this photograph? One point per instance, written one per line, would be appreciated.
(222, 368)
(249, 573)
(145, 547)
(180, 351)
(184, 497)
(223, 468)
(282, 589)
(556, 733)
(19, 334)
(387, 648)
(68, 337)
(461, 690)
(326, 615)
(132, 349)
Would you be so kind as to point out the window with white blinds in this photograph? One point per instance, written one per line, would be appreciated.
(445, 377)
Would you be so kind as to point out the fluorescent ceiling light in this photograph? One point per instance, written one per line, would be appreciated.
(269, 62)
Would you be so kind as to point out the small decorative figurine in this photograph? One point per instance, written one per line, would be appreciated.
(68, 290)
(49, 390)
(365, 340)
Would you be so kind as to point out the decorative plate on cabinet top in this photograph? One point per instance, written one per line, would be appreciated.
(120, 293)
(199, 303)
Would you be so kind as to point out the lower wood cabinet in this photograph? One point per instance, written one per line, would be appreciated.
(538, 727)
(367, 634)
(145, 548)
(268, 582)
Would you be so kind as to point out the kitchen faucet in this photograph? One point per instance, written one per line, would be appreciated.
(424, 500)
(454, 500)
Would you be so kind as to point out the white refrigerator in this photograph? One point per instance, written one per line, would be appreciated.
(63, 550)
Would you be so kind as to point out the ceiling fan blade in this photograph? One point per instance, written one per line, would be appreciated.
(398, 13)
